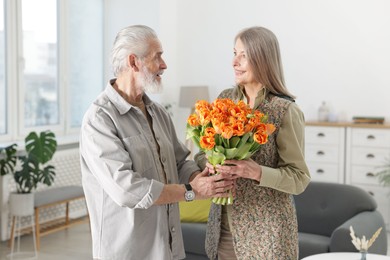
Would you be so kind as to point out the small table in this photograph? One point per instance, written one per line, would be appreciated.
(345, 256)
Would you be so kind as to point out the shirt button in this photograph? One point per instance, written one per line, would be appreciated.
(173, 229)
(163, 159)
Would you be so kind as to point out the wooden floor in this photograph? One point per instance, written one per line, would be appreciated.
(74, 244)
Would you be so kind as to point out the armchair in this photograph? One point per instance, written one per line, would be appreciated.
(326, 211)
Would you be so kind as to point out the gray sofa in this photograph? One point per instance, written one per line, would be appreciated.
(325, 212)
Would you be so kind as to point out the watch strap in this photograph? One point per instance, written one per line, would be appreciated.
(188, 186)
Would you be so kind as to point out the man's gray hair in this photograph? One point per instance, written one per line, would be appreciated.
(130, 40)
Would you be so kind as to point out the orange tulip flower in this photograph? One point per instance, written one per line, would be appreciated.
(207, 142)
(193, 120)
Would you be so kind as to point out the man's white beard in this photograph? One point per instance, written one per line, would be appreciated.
(149, 83)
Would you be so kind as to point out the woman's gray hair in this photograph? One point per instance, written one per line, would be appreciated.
(262, 49)
(133, 39)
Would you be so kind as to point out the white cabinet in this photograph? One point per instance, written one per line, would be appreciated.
(367, 150)
(351, 154)
(324, 153)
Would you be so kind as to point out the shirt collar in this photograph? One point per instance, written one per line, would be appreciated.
(260, 96)
(119, 102)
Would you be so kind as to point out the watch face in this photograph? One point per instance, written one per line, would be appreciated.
(189, 195)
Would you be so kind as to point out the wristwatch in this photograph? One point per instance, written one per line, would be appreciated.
(189, 195)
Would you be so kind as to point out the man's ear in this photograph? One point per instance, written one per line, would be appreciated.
(133, 62)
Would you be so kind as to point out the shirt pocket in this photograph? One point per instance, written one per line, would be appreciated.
(140, 153)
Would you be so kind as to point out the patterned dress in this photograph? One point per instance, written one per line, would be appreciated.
(263, 220)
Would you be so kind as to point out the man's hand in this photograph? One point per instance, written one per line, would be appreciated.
(206, 186)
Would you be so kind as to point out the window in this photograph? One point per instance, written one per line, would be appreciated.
(55, 64)
(3, 93)
(39, 75)
(86, 47)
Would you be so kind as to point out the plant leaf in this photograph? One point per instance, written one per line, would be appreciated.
(8, 159)
(47, 175)
(42, 148)
(25, 178)
(384, 174)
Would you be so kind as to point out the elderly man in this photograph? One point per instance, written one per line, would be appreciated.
(132, 161)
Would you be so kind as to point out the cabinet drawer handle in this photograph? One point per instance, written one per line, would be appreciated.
(371, 137)
(320, 171)
(370, 156)
(371, 193)
(321, 135)
(370, 174)
(320, 153)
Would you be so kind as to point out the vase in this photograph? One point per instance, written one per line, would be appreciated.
(363, 255)
(21, 204)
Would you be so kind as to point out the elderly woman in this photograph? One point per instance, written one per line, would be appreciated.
(261, 223)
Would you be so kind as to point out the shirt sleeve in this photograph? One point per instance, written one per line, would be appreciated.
(104, 156)
(292, 174)
(185, 167)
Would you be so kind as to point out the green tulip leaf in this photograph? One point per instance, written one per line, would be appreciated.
(234, 141)
(243, 151)
(219, 149)
(215, 158)
(231, 153)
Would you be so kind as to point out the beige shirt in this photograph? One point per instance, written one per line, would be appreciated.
(123, 174)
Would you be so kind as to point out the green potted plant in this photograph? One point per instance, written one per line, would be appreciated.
(384, 174)
(34, 168)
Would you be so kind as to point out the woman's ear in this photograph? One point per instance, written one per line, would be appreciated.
(133, 62)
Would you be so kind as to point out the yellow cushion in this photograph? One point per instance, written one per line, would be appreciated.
(194, 211)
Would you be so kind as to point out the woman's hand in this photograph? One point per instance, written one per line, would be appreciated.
(248, 169)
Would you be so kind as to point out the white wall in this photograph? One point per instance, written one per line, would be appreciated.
(121, 13)
(333, 51)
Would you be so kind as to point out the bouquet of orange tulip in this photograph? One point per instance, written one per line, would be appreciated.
(227, 130)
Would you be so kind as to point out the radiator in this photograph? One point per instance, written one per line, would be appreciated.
(67, 168)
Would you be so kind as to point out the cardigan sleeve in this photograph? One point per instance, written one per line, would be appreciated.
(291, 174)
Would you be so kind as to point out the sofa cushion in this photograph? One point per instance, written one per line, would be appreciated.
(54, 195)
(324, 206)
(195, 211)
(194, 236)
(190, 256)
(310, 244)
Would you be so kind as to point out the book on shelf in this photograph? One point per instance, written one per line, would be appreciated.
(368, 120)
